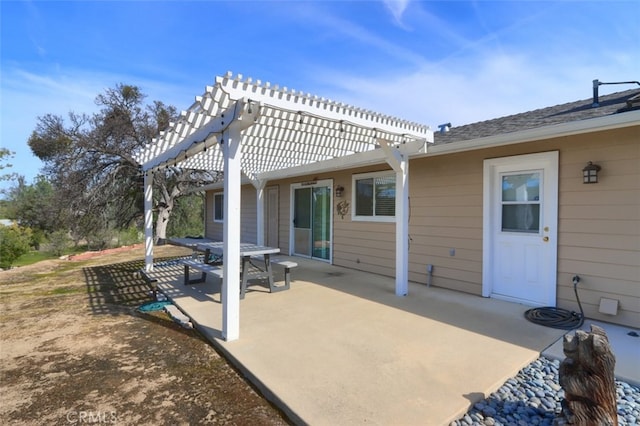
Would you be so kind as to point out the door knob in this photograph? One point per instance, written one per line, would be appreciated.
(545, 239)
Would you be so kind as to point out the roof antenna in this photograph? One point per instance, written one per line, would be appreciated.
(597, 83)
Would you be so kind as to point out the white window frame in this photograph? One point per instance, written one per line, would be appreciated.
(373, 218)
(217, 195)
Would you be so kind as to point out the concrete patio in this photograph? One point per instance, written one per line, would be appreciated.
(340, 348)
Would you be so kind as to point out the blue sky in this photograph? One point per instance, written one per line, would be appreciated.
(426, 61)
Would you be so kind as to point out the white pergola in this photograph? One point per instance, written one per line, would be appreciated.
(253, 130)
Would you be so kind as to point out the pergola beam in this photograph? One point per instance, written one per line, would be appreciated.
(358, 159)
(264, 132)
(205, 136)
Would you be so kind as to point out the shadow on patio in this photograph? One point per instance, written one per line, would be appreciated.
(117, 289)
(113, 286)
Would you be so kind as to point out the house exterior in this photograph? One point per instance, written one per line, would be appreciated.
(496, 209)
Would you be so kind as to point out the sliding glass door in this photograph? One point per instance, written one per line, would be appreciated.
(312, 219)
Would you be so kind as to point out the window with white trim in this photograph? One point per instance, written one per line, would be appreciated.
(218, 207)
(374, 196)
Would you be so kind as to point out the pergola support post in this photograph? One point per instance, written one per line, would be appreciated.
(400, 164)
(148, 221)
(259, 185)
(402, 229)
(231, 234)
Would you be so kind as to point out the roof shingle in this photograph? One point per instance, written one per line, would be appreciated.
(614, 103)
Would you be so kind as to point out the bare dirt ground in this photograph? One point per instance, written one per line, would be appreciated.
(74, 350)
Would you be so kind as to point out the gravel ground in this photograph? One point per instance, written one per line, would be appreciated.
(533, 397)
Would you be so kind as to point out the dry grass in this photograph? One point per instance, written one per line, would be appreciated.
(75, 350)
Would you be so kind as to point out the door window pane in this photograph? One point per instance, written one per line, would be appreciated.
(521, 202)
(521, 218)
(302, 203)
(312, 221)
(522, 187)
(321, 222)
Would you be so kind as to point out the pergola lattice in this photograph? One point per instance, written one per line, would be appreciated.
(245, 128)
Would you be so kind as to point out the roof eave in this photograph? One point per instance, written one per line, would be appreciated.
(360, 159)
(614, 121)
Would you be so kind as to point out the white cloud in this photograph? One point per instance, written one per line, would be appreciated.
(27, 96)
(475, 89)
(509, 68)
(397, 9)
(333, 24)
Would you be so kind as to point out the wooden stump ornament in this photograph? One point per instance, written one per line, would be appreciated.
(587, 377)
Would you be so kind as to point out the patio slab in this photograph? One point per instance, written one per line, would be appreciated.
(340, 348)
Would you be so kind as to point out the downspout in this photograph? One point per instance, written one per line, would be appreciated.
(429, 275)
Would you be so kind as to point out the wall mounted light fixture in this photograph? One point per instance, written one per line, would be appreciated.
(590, 173)
(339, 191)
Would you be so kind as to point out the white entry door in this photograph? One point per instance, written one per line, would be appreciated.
(520, 228)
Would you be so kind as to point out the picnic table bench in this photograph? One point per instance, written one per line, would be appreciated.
(151, 281)
(287, 265)
(203, 267)
(250, 253)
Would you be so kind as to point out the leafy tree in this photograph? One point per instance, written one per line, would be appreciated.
(14, 242)
(34, 206)
(188, 217)
(129, 236)
(88, 159)
(5, 156)
(59, 242)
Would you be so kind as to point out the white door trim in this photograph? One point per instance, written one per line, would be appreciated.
(551, 161)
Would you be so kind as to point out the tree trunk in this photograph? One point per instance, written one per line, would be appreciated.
(164, 212)
(587, 377)
(164, 208)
